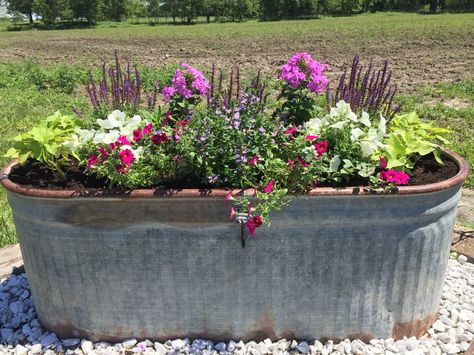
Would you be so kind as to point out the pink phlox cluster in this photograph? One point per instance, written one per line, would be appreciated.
(302, 69)
(187, 81)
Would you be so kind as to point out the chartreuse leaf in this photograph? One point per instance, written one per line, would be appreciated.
(44, 142)
(409, 138)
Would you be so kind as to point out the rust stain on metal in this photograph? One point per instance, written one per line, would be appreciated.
(416, 327)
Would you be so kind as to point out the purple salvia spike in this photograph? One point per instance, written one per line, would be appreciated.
(238, 84)
(221, 79)
(137, 87)
(231, 84)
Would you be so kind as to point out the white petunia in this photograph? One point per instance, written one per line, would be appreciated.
(356, 133)
(72, 143)
(114, 120)
(137, 153)
(334, 163)
(85, 134)
(339, 125)
(314, 125)
(99, 138)
(367, 148)
(134, 122)
(382, 129)
(365, 119)
(111, 137)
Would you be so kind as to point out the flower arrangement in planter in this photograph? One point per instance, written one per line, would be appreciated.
(218, 134)
(141, 198)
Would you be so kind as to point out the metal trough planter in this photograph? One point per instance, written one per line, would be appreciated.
(168, 264)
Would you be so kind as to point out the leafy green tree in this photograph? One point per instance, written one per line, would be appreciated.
(270, 9)
(115, 10)
(153, 9)
(24, 7)
(85, 9)
(136, 9)
(51, 10)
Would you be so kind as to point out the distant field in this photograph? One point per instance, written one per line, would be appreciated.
(424, 49)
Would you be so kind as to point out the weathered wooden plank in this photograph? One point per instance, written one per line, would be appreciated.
(11, 261)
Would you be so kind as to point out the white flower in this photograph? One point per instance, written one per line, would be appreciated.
(334, 163)
(99, 138)
(356, 133)
(314, 125)
(111, 137)
(365, 119)
(338, 125)
(309, 153)
(85, 134)
(134, 122)
(368, 148)
(382, 129)
(137, 153)
(72, 143)
(127, 132)
(114, 120)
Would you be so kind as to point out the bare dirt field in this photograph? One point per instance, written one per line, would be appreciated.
(422, 49)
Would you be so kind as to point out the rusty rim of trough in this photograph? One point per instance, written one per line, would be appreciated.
(320, 191)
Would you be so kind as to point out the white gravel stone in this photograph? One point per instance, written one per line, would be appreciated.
(466, 316)
(439, 326)
(160, 348)
(21, 350)
(462, 259)
(86, 346)
(129, 343)
(36, 349)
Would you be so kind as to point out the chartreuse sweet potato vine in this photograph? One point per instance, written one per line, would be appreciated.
(219, 132)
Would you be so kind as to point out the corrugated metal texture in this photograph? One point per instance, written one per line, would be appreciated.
(160, 268)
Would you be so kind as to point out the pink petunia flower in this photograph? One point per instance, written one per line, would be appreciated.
(148, 128)
(402, 178)
(232, 213)
(321, 147)
(301, 161)
(254, 160)
(392, 175)
(137, 135)
(126, 156)
(383, 162)
(291, 130)
(103, 153)
(92, 161)
(251, 226)
(311, 137)
(122, 141)
(228, 196)
(258, 221)
(291, 163)
(269, 187)
(159, 137)
(383, 175)
(122, 169)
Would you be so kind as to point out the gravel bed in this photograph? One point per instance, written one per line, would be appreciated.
(452, 333)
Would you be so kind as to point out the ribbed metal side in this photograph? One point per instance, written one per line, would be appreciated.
(159, 268)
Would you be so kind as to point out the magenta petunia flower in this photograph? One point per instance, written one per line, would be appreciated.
(291, 163)
(301, 161)
(402, 178)
(321, 147)
(254, 160)
(159, 137)
(232, 213)
(148, 128)
(311, 137)
(251, 226)
(291, 130)
(137, 135)
(122, 169)
(122, 141)
(92, 161)
(392, 175)
(383, 175)
(269, 187)
(258, 221)
(228, 196)
(383, 162)
(103, 153)
(126, 156)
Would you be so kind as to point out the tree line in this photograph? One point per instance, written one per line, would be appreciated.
(186, 11)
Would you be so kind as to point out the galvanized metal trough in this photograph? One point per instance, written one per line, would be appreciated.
(168, 264)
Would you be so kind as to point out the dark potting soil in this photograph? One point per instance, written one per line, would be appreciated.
(35, 175)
